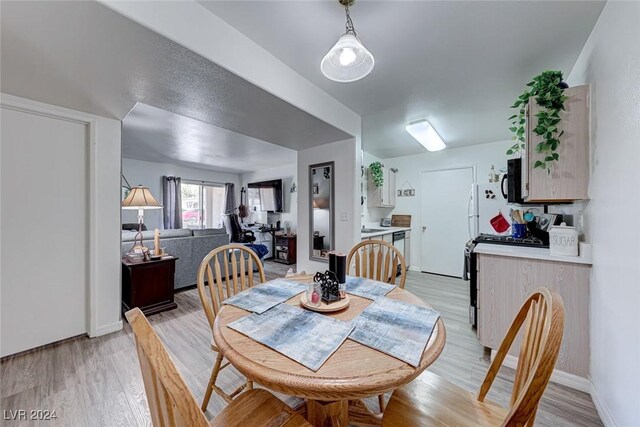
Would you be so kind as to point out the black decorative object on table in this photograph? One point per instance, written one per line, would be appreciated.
(329, 285)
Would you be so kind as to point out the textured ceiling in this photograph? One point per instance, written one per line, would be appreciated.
(84, 56)
(459, 64)
(155, 135)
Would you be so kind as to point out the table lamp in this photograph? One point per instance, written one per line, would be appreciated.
(140, 198)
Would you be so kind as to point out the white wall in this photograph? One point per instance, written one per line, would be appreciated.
(610, 63)
(150, 174)
(289, 175)
(482, 156)
(346, 155)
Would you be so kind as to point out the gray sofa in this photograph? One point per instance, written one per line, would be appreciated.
(191, 246)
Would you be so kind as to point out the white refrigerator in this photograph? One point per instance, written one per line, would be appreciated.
(486, 201)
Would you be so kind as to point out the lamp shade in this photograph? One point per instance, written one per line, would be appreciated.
(140, 198)
(347, 61)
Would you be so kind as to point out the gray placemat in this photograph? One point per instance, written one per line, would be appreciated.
(395, 328)
(367, 288)
(261, 298)
(304, 336)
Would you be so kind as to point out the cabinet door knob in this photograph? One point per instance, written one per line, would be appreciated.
(424, 228)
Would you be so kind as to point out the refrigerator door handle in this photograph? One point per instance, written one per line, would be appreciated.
(470, 214)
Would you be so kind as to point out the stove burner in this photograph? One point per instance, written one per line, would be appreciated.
(510, 240)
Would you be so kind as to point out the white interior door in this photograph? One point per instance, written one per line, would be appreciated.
(444, 198)
(44, 230)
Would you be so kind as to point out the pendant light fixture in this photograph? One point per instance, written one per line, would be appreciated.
(348, 60)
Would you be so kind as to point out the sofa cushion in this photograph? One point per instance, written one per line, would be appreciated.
(128, 236)
(169, 234)
(209, 232)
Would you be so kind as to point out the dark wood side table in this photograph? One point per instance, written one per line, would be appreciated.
(285, 249)
(148, 285)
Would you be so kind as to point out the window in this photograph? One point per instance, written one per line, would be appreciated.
(202, 205)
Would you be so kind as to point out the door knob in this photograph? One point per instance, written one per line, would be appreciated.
(424, 228)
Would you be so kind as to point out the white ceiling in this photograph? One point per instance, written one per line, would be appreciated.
(459, 64)
(156, 135)
(84, 56)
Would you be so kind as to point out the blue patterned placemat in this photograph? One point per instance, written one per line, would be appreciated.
(261, 298)
(367, 288)
(395, 328)
(304, 336)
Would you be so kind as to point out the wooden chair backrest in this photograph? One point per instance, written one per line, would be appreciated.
(543, 317)
(171, 403)
(377, 260)
(224, 281)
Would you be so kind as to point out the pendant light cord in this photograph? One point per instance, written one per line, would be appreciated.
(349, 25)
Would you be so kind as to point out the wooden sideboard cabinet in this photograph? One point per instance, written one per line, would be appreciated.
(568, 179)
(148, 285)
(285, 249)
(503, 284)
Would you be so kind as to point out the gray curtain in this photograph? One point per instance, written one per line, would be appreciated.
(230, 196)
(172, 202)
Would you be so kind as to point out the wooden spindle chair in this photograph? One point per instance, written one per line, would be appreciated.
(377, 260)
(223, 282)
(172, 404)
(431, 400)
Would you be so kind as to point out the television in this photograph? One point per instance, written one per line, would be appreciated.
(265, 196)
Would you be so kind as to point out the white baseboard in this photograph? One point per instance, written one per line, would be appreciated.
(559, 377)
(602, 408)
(414, 268)
(106, 329)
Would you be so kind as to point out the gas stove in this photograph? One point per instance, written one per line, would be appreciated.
(529, 241)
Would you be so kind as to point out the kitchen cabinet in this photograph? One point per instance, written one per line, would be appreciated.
(503, 284)
(568, 178)
(385, 195)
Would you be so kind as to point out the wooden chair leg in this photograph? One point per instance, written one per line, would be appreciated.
(381, 402)
(212, 382)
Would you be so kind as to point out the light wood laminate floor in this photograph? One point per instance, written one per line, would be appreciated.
(97, 382)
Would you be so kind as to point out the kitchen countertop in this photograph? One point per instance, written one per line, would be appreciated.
(526, 252)
(385, 230)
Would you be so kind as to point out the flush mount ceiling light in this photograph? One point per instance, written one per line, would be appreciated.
(348, 60)
(425, 134)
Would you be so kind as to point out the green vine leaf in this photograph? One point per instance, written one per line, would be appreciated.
(546, 91)
(376, 173)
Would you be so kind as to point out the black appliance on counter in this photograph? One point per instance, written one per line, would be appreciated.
(512, 181)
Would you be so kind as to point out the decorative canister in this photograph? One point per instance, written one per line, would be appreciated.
(563, 240)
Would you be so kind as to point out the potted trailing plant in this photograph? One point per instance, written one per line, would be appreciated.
(547, 90)
(376, 173)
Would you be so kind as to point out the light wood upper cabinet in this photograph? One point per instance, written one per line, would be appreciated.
(384, 196)
(568, 179)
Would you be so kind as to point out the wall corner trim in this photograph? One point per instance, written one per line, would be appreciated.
(106, 329)
(602, 408)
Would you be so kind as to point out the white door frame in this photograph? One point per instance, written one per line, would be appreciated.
(90, 121)
(474, 176)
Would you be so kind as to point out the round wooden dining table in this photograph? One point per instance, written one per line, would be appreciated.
(333, 394)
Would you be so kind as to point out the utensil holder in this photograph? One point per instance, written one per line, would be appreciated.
(519, 231)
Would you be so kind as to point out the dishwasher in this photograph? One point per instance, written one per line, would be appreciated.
(398, 242)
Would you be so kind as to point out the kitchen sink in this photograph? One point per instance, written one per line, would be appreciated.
(371, 230)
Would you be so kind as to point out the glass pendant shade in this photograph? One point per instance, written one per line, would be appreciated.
(347, 61)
